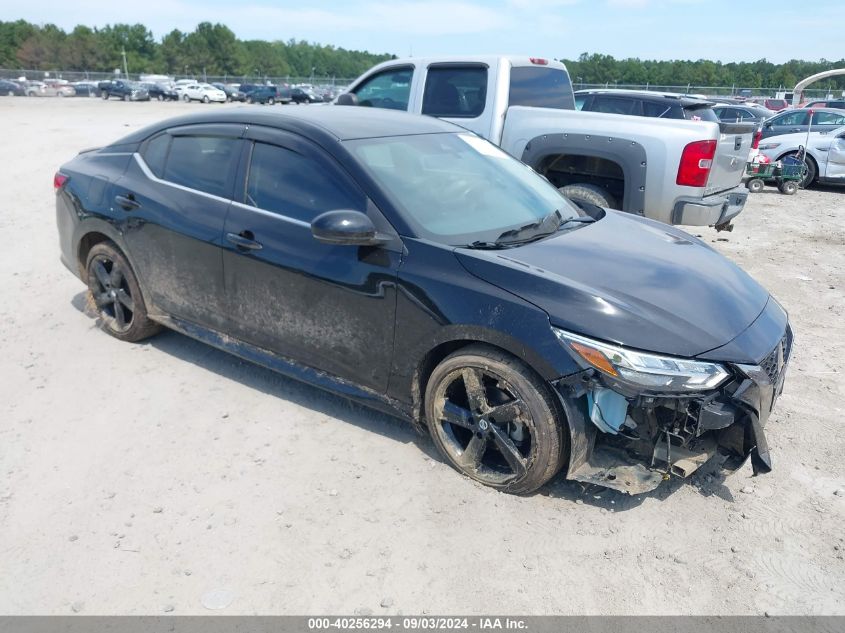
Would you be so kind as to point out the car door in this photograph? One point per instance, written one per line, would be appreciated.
(835, 166)
(331, 307)
(174, 196)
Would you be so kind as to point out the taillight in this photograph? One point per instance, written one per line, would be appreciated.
(696, 161)
(539, 61)
(59, 180)
(758, 136)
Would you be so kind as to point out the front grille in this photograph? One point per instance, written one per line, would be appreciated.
(775, 362)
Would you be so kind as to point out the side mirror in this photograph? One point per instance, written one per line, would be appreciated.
(347, 99)
(345, 227)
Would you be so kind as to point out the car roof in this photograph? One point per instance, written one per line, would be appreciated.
(815, 109)
(327, 122)
(683, 100)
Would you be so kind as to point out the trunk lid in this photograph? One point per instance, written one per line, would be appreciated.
(732, 149)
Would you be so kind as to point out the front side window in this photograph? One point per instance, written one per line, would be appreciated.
(390, 89)
(798, 117)
(455, 91)
(458, 188)
(295, 186)
(205, 163)
(541, 87)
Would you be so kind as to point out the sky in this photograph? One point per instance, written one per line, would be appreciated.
(721, 30)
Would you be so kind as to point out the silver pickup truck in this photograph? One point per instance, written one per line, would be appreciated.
(678, 172)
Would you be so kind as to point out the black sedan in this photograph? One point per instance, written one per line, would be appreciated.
(11, 89)
(408, 264)
(160, 92)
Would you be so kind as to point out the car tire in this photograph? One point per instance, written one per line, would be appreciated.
(249, 100)
(755, 185)
(466, 393)
(115, 293)
(126, 97)
(205, 99)
(592, 194)
(271, 101)
(161, 97)
(11, 93)
(186, 99)
(104, 95)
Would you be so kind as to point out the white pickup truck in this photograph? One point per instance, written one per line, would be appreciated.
(678, 172)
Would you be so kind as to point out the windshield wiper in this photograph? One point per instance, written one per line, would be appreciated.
(548, 225)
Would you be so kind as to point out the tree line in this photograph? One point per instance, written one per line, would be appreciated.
(210, 49)
(600, 69)
(213, 49)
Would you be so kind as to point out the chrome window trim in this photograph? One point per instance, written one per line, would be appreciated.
(271, 214)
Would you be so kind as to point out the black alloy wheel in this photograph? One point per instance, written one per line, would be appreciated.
(494, 420)
(116, 295)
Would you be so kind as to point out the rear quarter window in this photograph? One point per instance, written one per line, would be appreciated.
(455, 91)
(155, 153)
(541, 87)
(700, 114)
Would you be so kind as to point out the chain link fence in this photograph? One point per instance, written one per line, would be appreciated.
(710, 91)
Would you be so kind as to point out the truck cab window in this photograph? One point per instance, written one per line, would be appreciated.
(455, 91)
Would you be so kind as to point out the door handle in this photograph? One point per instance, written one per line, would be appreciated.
(245, 240)
(127, 202)
(795, 129)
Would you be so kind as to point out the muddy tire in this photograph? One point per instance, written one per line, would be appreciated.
(592, 194)
(495, 420)
(755, 185)
(116, 295)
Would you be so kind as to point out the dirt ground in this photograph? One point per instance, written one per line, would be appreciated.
(171, 477)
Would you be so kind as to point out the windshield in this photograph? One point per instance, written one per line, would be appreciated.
(459, 189)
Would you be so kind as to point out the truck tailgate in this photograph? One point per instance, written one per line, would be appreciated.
(732, 151)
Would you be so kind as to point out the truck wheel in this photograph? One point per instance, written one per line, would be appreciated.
(589, 193)
(161, 97)
(755, 185)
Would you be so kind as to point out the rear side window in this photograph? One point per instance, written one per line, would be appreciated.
(455, 91)
(658, 110)
(700, 114)
(293, 185)
(205, 163)
(614, 105)
(828, 118)
(155, 153)
(541, 87)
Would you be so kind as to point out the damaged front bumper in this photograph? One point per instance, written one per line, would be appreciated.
(670, 434)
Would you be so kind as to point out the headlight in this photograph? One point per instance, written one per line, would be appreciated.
(651, 371)
(765, 146)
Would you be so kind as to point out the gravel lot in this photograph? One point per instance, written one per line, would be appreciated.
(171, 477)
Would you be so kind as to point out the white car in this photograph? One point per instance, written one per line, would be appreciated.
(203, 92)
(825, 153)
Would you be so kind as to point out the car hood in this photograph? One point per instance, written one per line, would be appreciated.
(630, 281)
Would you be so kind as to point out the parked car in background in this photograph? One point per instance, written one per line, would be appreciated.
(203, 92)
(825, 153)
(747, 113)
(49, 89)
(825, 103)
(160, 92)
(406, 263)
(232, 93)
(303, 95)
(775, 105)
(125, 90)
(86, 89)
(799, 121)
(661, 105)
(11, 89)
(674, 171)
(262, 94)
